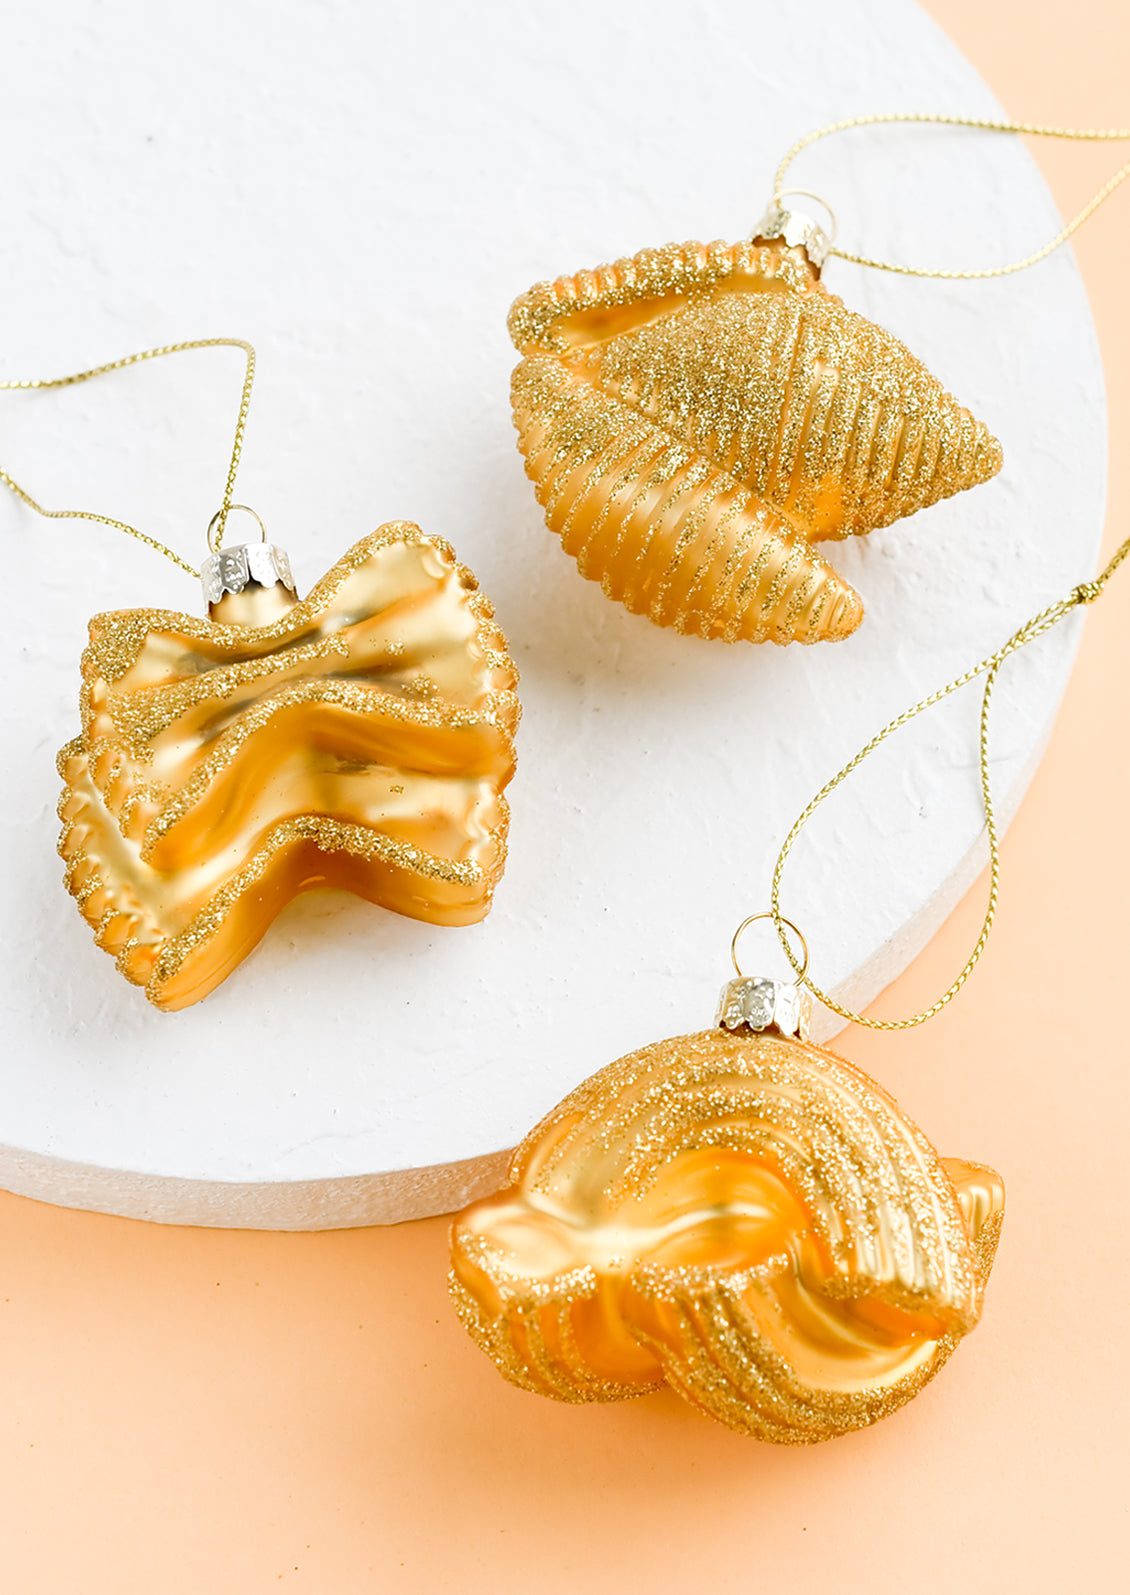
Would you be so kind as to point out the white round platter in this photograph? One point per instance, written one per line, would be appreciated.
(361, 191)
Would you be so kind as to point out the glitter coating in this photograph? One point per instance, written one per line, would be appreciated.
(696, 417)
(747, 1218)
(359, 739)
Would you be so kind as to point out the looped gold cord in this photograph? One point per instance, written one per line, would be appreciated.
(1088, 135)
(752, 919)
(218, 524)
(1084, 593)
(120, 365)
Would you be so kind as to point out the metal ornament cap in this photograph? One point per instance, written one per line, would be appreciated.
(231, 569)
(794, 229)
(756, 1003)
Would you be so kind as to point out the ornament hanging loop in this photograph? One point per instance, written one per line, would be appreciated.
(217, 526)
(780, 922)
(121, 365)
(781, 194)
(795, 228)
(979, 124)
(1083, 593)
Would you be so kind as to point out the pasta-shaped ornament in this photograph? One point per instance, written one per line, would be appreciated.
(696, 417)
(741, 1215)
(360, 739)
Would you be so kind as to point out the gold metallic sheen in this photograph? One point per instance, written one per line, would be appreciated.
(746, 1218)
(359, 739)
(695, 417)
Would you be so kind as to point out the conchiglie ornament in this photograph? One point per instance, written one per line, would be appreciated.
(741, 1215)
(359, 739)
(696, 417)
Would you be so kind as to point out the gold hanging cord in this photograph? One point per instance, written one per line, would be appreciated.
(1085, 593)
(216, 529)
(1085, 135)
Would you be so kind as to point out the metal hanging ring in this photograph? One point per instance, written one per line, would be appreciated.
(215, 543)
(777, 920)
(807, 193)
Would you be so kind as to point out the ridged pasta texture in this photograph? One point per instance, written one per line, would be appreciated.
(362, 740)
(696, 417)
(747, 1218)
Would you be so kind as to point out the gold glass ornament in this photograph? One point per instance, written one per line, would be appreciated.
(361, 739)
(741, 1215)
(696, 417)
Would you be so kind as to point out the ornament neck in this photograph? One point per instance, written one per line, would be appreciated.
(754, 1002)
(794, 229)
(248, 584)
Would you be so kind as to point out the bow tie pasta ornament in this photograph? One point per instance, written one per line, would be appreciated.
(741, 1215)
(695, 418)
(361, 739)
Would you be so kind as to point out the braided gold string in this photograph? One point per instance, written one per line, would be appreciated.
(986, 125)
(1085, 593)
(216, 533)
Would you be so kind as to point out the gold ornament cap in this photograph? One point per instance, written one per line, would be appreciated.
(795, 230)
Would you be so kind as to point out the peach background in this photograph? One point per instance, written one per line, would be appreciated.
(192, 1410)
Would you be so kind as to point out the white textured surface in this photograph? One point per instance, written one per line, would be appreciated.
(361, 191)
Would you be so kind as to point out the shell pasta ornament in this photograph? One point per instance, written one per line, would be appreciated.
(360, 738)
(695, 418)
(741, 1215)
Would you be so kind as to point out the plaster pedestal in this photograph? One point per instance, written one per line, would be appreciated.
(367, 229)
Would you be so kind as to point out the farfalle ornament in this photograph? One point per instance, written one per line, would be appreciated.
(738, 1214)
(360, 739)
(695, 418)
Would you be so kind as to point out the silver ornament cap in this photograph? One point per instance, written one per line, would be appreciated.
(756, 1003)
(796, 230)
(239, 565)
